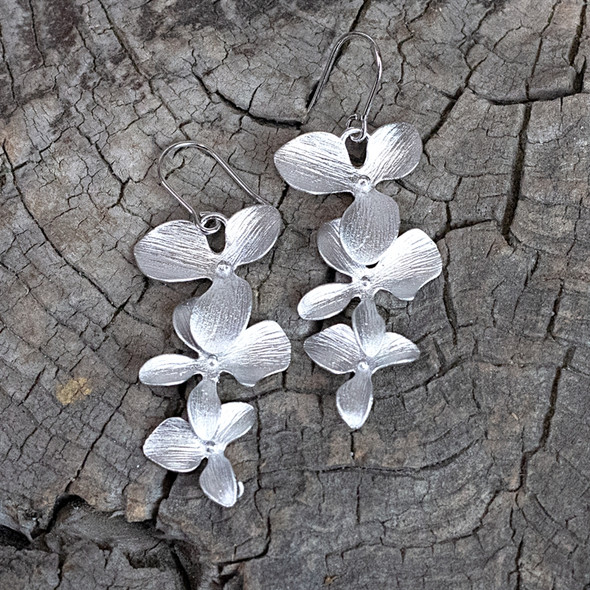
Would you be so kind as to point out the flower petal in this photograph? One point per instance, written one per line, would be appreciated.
(355, 398)
(181, 320)
(369, 226)
(316, 163)
(218, 480)
(412, 261)
(333, 252)
(395, 350)
(251, 233)
(368, 326)
(221, 314)
(176, 251)
(334, 349)
(168, 369)
(393, 151)
(235, 420)
(204, 409)
(174, 446)
(259, 351)
(326, 301)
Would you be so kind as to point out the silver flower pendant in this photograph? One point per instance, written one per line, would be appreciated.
(178, 251)
(403, 269)
(251, 355)
(318, 163)
(364, 245)
(178, 445)
(214, 326)
(409, 263)
(362, 350)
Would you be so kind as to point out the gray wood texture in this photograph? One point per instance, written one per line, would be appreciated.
(473, 470)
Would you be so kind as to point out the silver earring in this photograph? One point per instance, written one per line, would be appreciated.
(363, 244)
(214, 326)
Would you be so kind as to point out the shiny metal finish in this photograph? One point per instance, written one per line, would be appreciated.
(369, 225)
(178, 251)
(408, 264)
(214, 326)
(405, 267)
(362, 350)
(179, 445)
(174, 252)
(251, 355)
(363, 244)
(222, 313)
(319, 163)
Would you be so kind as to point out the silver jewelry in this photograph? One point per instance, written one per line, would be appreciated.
(214, 326)
(363, 244)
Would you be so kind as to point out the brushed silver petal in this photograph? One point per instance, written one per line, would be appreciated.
(333, 252)
(250, 234)
(368, 326)
(395, 350)
(235, 420)
(316, 163)
(326, 301)
(334, 349)
(174, 446)
(168, 369)
(393, 151)
(181, 320)
(259, 351)
(176, 251)
(221, 314)
(369, 226)
(412, 261)
(218, 480)
(204, 409)
(355, 398)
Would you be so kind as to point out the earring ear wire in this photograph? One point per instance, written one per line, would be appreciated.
(202, 219)
(362, 132)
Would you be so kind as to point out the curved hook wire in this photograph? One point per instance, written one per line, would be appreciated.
(327, 70)
(202, 219)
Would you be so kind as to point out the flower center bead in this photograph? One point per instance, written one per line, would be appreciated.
(210, 447)
(212, 362)
(366, 283)
(363, 183)
(363, 366)
(223, 269)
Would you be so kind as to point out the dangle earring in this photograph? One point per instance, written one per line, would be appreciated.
(363, 244)
(213, 325)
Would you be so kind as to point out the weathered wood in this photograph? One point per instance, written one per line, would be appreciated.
(473, 468)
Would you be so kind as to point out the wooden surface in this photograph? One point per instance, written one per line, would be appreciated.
(473, 470)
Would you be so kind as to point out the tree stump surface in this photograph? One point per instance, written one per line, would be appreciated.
(473, 469)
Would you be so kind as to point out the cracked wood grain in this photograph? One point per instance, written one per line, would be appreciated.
(473, 470)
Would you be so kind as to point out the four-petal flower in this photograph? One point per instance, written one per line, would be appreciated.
(361, 350)
(319, 163)
(256, 352)
(180, 446)
(179, 251)
(404, 268)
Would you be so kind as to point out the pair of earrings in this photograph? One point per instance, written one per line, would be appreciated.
(363, 244)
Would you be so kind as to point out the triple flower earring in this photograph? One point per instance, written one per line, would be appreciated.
(214, 327)
(363, 244)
